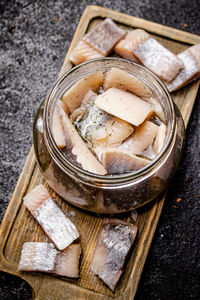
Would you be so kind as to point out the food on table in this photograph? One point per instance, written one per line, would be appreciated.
(158, 59)
(61, 231)
(124, 105)
(125, 47)
(104, 36)
(83, 52)
(115, 240)
(108, 128)
(44, 257)
(117, 161)
(73, 97)
(191, 61)
(78, 147)
(128, 82)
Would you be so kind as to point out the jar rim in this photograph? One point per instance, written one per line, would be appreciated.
(67, 166)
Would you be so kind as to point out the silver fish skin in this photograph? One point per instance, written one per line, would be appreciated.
(59, 228)
(115, 240)
(191, 69)
(44, 257)
(158, 59)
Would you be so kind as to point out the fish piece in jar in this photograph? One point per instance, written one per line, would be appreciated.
(123, 80)
(59, 228)
(73, 97)
(114, 243)
(104, 36)
(44, 257)
(124, 105)
(79, 148)
(117, 161)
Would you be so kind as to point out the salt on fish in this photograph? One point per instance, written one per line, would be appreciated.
(44, 257)
(158, 59)
(83, 52)
(58, 227)
(104, 36)
(115, 240)
(191, 61)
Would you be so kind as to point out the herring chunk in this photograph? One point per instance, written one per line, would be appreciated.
(44, 257)
(125, 47)
(125, 81)
(79, 147)
(157, 58)
(73, 97)
(160, 138)
(117, 161)
(124, 105)
(83, 52)
(141, 139)
(61, 231)
(104, 36)
(190, 59)
(115, 240)
(57, 130)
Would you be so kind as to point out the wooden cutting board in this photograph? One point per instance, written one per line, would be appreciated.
(18, 225)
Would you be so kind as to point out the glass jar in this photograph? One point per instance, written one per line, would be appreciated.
(108, 194)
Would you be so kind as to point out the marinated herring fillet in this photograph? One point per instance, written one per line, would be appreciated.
(158, 59)
(79, 147)
(83, 52)
(117, 161)
(123, 80)
(61, 231)
(57, 130)
(124, 105)
(104, 36)
(141, 139)
(115, 240)
(191, 61)
(73, 97)
(44, 257)
(125, 47)
(160, 138)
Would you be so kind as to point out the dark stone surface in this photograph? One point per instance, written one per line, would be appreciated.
(35, 36)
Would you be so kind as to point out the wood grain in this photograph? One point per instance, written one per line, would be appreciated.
(18, 225)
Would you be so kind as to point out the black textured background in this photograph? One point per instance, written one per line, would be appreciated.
(34, 39)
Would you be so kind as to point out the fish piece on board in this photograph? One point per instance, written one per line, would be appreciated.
(44, 257)
(191, 60)
(59, 228)
(117, 161)
(141, 139)
(104, 36)
(123, 80)
(79, 148)
(83, 52)
(158, 59)
(115, 240)
(124, 105)
(73, 97)
(125, 47)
